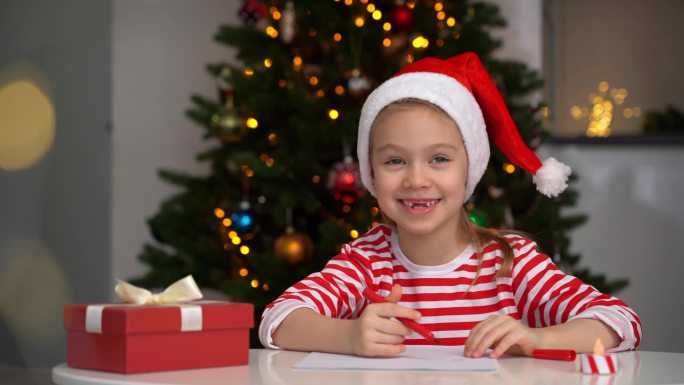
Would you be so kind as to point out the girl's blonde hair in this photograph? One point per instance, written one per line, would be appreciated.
(477, 235)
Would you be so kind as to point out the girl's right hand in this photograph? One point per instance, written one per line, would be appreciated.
(375, 333)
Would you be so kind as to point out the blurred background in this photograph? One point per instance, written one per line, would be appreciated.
(99, 89)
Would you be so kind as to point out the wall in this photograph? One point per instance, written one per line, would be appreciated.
(633, 195)
(631, 44)
(160, 51)
(522, 36)
(55, 216)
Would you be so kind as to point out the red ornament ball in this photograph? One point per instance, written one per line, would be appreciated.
(252, 11)
(401, 17)
(345, 181)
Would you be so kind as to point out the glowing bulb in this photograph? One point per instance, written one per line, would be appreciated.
(337, 37)
(359, 21)
(509, 168)
(576, 112)
(254, 283)
(333, 114)
(339, 90)
(243, 272)
(244, 250)
(377, 15)
(297, 61)
(272, 32)
(268, 63)
(227, 222)
(249, 72)
(420, 42)
(219, 213)
(252, 123)
(386, 26)
(354, 234)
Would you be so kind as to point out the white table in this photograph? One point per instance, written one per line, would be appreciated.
(275, 367)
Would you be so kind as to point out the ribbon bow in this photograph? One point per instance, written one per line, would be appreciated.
(183, 290)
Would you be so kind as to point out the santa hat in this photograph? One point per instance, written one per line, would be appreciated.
(462, 88)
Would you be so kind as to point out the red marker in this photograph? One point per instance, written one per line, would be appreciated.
(415, 326)
(554, 354)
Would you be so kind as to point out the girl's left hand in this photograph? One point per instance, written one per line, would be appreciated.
(503, 334)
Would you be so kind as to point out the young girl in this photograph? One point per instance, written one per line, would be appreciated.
(422, 148)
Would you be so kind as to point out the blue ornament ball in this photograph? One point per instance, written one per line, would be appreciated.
(243, 219)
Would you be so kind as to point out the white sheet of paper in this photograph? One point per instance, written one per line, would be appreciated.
(442, 358)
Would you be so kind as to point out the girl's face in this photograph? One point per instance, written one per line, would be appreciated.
(419, 168)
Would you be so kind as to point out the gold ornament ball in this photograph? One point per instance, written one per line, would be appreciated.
(293, 247)
(228, 125)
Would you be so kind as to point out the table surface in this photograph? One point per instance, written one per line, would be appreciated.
(275, 367)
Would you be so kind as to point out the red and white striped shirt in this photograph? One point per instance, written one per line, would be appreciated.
(537, 292)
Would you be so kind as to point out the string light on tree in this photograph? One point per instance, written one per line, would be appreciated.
(420, 42)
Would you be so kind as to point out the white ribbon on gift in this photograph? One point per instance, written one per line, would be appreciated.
(183, 290)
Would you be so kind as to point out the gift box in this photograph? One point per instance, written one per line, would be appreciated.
(128, 338)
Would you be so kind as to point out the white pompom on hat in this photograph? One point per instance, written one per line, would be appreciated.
(464, 90)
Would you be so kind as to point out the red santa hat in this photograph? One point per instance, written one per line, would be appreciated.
(464, 90)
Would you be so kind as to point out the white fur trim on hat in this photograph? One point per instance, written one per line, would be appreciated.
(552, 177)
(446, 93)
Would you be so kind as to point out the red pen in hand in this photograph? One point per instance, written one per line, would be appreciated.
(554, 354)
(413, 325)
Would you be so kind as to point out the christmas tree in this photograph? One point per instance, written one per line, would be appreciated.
(283, 192)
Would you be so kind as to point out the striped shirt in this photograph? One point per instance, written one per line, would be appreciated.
(536, 292)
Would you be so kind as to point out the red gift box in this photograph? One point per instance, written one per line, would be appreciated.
(148, 338)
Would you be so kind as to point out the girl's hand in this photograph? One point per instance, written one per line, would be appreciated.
(376, 334)
(503, 334)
